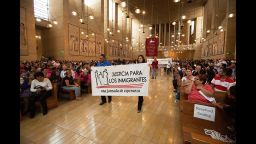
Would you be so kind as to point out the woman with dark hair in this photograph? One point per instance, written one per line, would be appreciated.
(140, 59)
(40, 89)
(210, 73)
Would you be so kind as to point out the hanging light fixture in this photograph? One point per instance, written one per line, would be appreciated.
(81, 14)
(38, 20)
(91, 17)
(123, 4)
(50, 25)
(176, 1)
(143, 18)
(127, 14)
(231, 15)
(55, 22)
(137, 10)
(74, 13)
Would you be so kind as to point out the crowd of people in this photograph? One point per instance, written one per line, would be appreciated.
(204, 80)
(199, 79)
(36, 78)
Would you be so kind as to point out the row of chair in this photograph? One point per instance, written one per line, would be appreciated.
(193, 127)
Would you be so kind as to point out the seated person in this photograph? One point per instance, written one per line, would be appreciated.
(24, 94)
(24, 87)
(88, 77)
(54, 77)
(221, 81)
(187, 77)
(40, 89)
(80, 76)
(70, 84)
(198, 90)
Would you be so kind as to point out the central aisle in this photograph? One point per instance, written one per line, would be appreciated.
(86, 121)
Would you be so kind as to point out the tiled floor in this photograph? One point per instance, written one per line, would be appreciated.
(86, 122)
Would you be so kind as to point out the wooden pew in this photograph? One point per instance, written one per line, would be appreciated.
(183, 97)
(52, 101)
(70, 94)
(192, 136)
(193, 127)
(220, 96)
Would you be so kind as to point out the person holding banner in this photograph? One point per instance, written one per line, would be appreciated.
(154, 67)
(104, 62)
(140, 59)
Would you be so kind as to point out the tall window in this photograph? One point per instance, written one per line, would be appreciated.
(192, 27)
(112, 12)
(41, 8)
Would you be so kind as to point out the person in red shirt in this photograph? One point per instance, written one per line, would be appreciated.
(154, 67)
(198, 90)
(222, 81)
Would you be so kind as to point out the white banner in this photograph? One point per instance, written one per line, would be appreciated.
(120, 80)
(160, 61)
(204, 112)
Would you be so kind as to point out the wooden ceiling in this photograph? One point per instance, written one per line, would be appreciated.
(163, 11)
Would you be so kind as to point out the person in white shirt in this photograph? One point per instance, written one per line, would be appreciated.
(62, 73)
(40, 89)
(168, 67)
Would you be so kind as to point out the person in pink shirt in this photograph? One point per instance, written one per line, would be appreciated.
(199, 91)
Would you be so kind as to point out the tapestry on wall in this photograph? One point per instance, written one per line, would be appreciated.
(220, 42)
(116, 48)
(73, 39)
(130, 51)
(112, 48)
(108, 48)
(215, 46)
(119, 49)
(23, 33)
(91, 45)
(125, 51)
(84, 45)
(210, 44)
(122, 49)
(99, 45)
(204, 45)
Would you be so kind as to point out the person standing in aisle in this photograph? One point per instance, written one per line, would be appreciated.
(104, 62)
(140, 59)
(154, 68)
